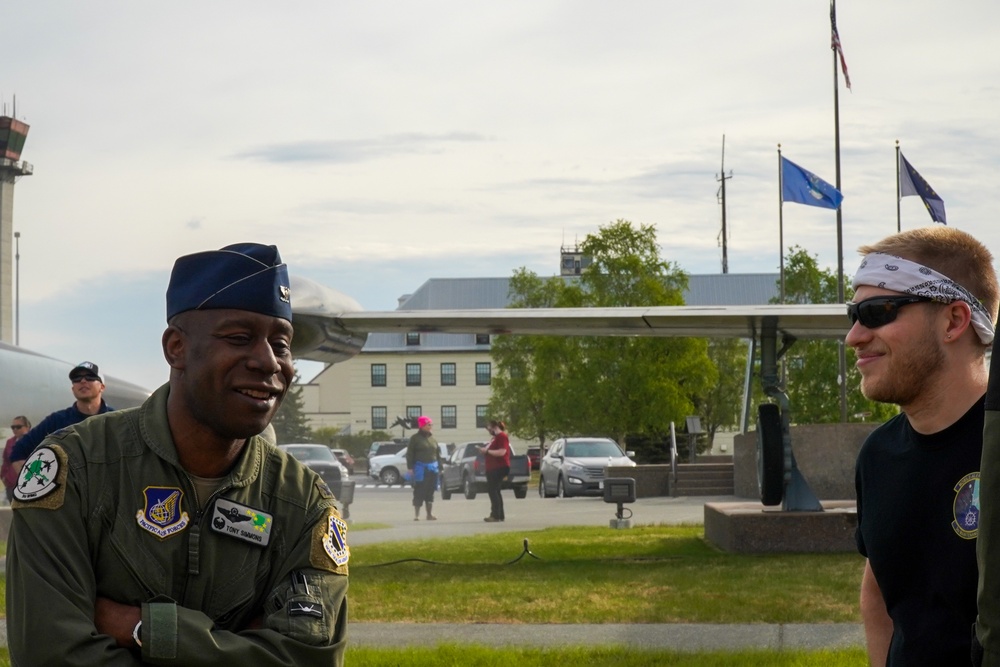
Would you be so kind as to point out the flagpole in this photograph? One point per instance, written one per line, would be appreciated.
(781, 230)
(898, 194)
(842, 377)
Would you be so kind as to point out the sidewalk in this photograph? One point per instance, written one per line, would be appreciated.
(673, 636)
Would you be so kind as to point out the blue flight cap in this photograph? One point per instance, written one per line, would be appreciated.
(243, 276)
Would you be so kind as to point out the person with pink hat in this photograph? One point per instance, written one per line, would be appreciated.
(422, 464)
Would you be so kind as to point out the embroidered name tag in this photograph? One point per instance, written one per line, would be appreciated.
(242, 522)
(163, 514)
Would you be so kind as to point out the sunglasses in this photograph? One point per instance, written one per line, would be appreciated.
(17, 427)
(880, 310)
(85, 378)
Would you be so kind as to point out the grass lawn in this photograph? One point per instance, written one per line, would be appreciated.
(648, 574)
(465, 656)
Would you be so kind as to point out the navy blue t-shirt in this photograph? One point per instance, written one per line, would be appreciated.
(918, 519)
(55, 421)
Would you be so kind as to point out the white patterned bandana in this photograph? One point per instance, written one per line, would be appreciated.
(880, 269)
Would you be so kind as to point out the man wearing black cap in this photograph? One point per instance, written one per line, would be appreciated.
(172, 533)
(88, 389)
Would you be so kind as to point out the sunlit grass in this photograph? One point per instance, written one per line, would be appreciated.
(474, 656)
(649, 574)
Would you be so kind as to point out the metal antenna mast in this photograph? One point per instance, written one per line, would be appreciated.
(721, 194)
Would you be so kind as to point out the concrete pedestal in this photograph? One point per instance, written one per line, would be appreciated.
(749, 527)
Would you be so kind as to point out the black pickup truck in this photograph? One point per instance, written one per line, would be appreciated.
(465, 471)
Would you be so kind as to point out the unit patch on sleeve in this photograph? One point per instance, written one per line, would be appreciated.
(163, 514)
(43, 477)
(242, 522)
(965, 508)
(329, 544)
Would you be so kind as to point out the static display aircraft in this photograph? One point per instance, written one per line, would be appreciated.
(331, 327)
(35, 385)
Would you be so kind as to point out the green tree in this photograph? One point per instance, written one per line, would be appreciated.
(528, 368)
(289, 422)
(721, 407)
(611, 386)
(813, 365)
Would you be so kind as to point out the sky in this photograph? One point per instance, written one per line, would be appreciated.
(380, 144)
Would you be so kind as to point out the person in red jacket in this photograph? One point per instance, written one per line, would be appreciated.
(8, 472)
(497, 455)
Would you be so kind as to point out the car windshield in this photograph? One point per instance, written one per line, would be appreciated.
(592, 448)
(310, 453)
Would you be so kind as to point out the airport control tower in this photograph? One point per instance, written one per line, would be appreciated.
(12, 136)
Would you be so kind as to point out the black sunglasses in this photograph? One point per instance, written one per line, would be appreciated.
(880, 310)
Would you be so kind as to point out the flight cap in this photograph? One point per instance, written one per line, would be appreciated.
(243, 276)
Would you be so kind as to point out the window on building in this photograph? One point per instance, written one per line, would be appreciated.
(379, 417)
(413, 338)
(449, 416)
(378, 375)
(482, 339)
(482, 373)
(413, 411)
(481, 415)
(448, 375)
(413, 375)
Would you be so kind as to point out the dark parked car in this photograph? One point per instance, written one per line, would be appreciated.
(321, 459)
(535, 456)
(465, 472)
(345, 459)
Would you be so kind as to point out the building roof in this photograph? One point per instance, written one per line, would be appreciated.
(717, 289)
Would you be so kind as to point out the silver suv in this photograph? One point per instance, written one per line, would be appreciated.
(575, 466)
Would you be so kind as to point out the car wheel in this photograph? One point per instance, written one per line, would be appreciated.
(469, 487)
(542, 493)
(445, 492)
(521, 491)
(560, 488)
(389, 476)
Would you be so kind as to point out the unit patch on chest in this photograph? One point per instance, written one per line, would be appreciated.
(242, 522)
(966, 507)
(163, 514)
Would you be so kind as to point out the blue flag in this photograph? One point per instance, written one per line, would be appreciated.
(804, 187)
(912, 183)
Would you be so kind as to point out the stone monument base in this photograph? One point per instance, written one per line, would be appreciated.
(749, 527)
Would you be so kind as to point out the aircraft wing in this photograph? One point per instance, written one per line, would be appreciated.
(800, 321)
(331, 327)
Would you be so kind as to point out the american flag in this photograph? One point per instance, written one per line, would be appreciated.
(835, 44)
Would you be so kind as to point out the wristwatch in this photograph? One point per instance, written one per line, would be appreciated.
(136, 634)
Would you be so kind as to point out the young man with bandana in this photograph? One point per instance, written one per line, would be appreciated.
(923, 316)
(173, 533)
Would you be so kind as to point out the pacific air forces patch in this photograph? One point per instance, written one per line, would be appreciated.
(966, 507)
(163, 514)
(329, 544)
(42, 481)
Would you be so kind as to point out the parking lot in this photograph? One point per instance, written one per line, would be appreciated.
(459, 516)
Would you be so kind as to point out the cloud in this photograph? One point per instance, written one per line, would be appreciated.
(358, 150)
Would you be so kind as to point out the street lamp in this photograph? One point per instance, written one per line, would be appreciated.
(17, 288)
